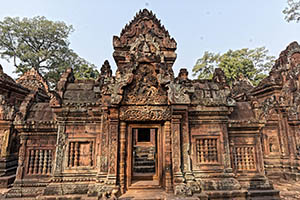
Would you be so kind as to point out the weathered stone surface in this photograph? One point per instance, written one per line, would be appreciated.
(143, 129)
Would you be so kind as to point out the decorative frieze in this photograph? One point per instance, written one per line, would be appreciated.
(145, 113)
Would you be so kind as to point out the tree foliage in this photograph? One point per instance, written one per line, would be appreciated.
(42, 44)
(251, 63)
(292, 11)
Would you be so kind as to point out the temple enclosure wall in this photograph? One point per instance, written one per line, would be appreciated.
(145, 129)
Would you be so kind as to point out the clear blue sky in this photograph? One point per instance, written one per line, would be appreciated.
(196, 25)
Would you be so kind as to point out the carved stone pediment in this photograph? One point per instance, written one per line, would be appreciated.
(33, 80)
(144, 40)
(144, 53)
(145, 22)
(145, 113)
(285, 77)
(145, 88)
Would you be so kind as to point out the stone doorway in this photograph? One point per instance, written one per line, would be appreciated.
(144, 156)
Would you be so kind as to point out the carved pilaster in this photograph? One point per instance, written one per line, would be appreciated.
(260, 154)
(186, 145)
(176, 150)
(21, 162)
(226, 153)
(168, 157)
(5, 143)
(60, 150)
(104, 144)
(282, 138)
(113, 152)
(290, 137)
(122, 155)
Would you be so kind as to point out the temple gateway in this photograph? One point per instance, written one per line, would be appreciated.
(146, 130)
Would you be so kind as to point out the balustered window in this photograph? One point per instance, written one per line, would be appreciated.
(40, 162)
(244, 158)
(80, 154)
(207, 150)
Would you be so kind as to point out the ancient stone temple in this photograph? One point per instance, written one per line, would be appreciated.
(146, 130)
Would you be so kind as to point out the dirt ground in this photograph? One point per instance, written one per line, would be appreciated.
(288, 190)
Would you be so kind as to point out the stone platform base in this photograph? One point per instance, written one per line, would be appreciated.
(7, 181)
(156, 194)
(289, 190)
(147, 194)
(211, 195)
(243, 195)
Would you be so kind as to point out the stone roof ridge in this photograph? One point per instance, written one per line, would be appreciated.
(284, 55)
(65, 78)
(33, 80)
(241, 87)
(292, 48)
(283, 65)
(144, 14)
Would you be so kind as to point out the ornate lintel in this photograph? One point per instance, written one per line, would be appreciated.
(144, 113)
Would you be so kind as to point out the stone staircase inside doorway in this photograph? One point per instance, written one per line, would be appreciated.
(144, 160)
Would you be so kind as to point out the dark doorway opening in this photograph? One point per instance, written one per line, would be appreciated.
(143, 135)
(144, 153)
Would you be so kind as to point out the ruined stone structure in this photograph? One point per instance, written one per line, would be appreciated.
(146, 129)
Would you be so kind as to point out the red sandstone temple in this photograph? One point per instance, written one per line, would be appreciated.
(145, 129)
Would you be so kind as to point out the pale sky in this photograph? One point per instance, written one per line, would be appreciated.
(196, 25)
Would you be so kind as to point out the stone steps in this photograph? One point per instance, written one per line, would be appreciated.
(144, 163)
(67, 197)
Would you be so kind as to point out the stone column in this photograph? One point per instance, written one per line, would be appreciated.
(60, 149)
(226, 153)
(21, 162)
(103, 165)
(260, 154)
(284, 151)
(168, 157)
(176, 150)
(122, 155)
(186, 146)
(5, 142)
(290, 137)
(292, 144)
(113, 152)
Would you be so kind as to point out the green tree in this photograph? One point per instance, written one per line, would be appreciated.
(253, 64)
(292, 11)
(42, 44)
